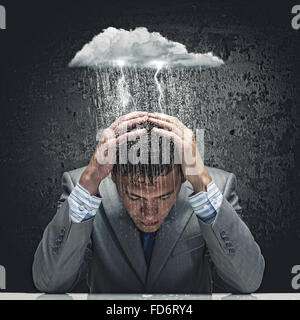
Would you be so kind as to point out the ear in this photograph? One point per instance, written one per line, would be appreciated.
(116, 177)
(113, 177)
(183, 179)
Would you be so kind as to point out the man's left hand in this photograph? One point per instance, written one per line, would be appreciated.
(191, 162)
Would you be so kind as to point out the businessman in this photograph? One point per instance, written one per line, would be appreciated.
(147, 225)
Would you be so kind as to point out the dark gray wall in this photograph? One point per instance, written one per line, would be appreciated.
(249, 109)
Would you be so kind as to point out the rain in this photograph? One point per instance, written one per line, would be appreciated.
(141, 70)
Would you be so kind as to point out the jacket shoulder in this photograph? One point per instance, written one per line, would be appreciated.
(218, 172)
(219, 176)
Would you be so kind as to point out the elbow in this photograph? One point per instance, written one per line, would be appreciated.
(45, 287)
(53, 284)
(39, 279)
(41, 282)
(249, 288)
(253, 281)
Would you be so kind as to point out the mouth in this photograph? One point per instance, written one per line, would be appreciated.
(149, 224)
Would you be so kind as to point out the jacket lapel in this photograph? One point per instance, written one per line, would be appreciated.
(124, 228)
(129, 237)
(169, 233)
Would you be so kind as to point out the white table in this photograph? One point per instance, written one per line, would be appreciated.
(77, 296)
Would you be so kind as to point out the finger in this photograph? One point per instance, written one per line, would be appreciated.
(135, 114)
(166, 125)
(124, 126)
(169, 134)
(106, 153)
(162, 116)
(130, 136)
(165, 117)
(127, 117)
(108, 133)
(162, 123)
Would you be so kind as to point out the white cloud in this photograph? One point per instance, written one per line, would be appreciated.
(140, 48)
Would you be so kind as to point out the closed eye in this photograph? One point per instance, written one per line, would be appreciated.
(164, 197)
(133, 198)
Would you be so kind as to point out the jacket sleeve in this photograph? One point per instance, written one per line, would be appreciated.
(61, 258)
(236, 257)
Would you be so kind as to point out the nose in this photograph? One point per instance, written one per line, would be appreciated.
(149, 210)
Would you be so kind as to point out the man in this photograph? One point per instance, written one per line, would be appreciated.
(148, 227)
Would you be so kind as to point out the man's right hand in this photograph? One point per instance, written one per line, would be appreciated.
(104, 156)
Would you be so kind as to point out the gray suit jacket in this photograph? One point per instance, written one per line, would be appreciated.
(188, 254)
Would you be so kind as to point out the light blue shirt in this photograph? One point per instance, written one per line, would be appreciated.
(84, 206)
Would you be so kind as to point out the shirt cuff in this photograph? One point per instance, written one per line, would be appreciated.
(82, 204)
(206, 204)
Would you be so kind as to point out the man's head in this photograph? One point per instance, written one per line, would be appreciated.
(148, 190)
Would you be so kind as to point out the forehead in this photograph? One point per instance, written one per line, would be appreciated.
(161, 184)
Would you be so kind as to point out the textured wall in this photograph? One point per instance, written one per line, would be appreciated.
(248, 108)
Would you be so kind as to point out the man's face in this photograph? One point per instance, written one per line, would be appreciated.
(149, 204)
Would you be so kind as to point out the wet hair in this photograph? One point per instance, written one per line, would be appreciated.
(142, 171)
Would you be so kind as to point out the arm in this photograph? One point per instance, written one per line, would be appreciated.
(62, 256)
(235, 254)
(232, 248)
